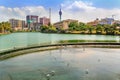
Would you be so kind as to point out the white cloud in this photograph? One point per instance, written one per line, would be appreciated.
(20, 13)
(85, 11)
(82, 11)
(78, 5)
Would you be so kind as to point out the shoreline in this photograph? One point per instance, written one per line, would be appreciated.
(12, 53)
(1, 34)
(81, 33)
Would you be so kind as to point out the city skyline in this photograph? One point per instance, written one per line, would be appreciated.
(82, 10)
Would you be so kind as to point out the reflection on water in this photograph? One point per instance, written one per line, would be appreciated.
(21, 40)
(66, 63)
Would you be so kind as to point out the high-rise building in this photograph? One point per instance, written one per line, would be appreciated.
(44, 21)
(17, 24)
(60, 14)
(50, 15)
(32, 22)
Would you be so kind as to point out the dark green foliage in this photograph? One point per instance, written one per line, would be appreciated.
(80, 41)
(47, 29)
(5, 27)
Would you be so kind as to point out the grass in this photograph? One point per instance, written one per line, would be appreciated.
(93, 32)
(80, 41)
(2, 34)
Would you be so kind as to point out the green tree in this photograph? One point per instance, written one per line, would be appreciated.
(112, 30)
(82, 27)
(116, 25)
(109, 29)
(90, 28)
(43, 28)
(50, 28)
(73, 26)
(106, 28)
(99, 29)
(0, 28)
(5, 27)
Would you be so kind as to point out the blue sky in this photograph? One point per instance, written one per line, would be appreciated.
(22, 3)
(106, 3)
(55, 3)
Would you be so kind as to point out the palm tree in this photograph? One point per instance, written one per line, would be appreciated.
(90, 29)
(116, 26)
(73, 26)
(5, 27)
(99, 28)
(0, 28)
(106, 28)
(82, 27)
(109, 29)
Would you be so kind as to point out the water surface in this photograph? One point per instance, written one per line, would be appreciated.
(68, 64)
(18, 40)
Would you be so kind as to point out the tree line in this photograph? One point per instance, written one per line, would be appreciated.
(85, 28)
(97, 29)
(5, 27)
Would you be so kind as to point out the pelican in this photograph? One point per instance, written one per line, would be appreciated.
(48, 76)
(86, 71)
(52, 73)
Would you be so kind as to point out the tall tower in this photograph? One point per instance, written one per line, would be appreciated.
(60, 14)
(50, 15)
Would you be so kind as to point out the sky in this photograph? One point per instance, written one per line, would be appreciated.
(82, 10)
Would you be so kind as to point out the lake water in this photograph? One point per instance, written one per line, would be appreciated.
(67, 63)
(18, 40)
